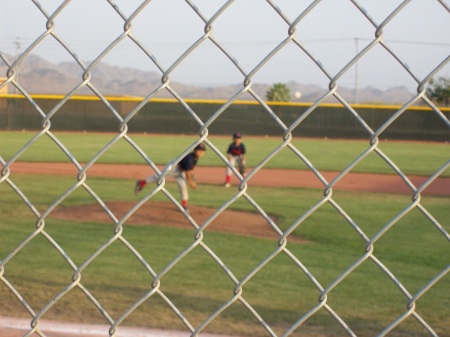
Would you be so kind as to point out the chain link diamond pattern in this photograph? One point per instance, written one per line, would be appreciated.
(282, 247)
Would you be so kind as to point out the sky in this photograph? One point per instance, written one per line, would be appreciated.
(330, 34)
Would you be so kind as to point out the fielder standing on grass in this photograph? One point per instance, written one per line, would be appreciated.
(236, 155)
(183, 174)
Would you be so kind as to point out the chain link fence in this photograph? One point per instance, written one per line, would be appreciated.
(156, 281)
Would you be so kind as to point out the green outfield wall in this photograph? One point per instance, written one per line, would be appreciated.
(169, 116)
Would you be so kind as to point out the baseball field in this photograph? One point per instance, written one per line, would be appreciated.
(281, 283)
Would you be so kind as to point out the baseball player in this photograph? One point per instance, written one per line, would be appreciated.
(182, 174)
(236, 155)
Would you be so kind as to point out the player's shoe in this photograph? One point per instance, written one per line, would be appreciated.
(186, 209)
(227, 185)
(139, 186)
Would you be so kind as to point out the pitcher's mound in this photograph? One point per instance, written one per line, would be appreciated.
(167, 214)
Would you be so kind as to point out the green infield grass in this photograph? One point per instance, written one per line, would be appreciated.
(419, 158)
(413, 249)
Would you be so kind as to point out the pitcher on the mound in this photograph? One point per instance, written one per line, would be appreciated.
(182, 174)
(236, 155)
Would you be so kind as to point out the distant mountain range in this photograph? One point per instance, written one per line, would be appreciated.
(39, 76)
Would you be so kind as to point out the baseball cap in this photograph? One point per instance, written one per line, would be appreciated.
(201, 147)
(237, 135)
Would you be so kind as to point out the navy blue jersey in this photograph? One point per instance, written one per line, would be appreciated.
(188, 162)
(236, 150)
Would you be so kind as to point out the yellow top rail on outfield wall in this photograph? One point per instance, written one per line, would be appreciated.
(216, 101)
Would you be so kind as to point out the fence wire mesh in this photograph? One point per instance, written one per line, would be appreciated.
(157, 273)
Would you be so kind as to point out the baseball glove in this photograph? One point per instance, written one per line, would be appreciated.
(242, 170)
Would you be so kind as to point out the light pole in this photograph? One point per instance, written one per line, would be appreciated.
(356, 71)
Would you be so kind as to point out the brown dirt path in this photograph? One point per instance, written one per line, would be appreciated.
(378, 183)
(167, 214)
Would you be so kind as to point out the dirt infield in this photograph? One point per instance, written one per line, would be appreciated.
(377, 183)
(229, 221)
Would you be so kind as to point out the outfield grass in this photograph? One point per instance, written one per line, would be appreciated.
(330, 155)
(413, 249)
